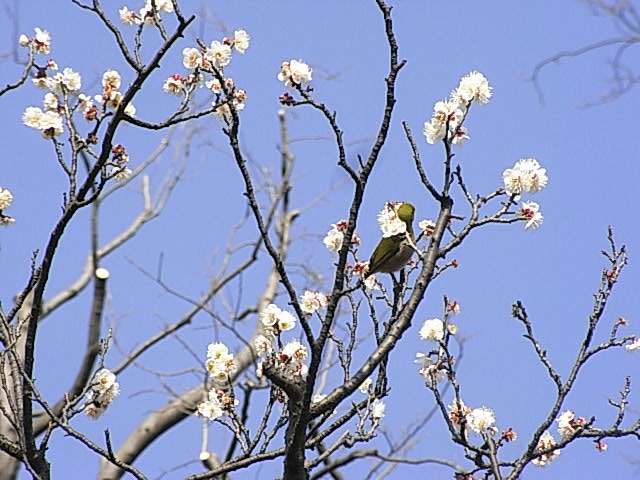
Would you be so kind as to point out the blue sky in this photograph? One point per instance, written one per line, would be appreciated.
(590, 156)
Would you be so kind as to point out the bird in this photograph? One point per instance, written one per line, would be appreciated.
(393, 253)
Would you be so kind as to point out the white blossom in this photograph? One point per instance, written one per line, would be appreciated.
(389, 222)
(67, 80)
(434, 132)
(31, 117)
(191, 58)
(129, 17)
(211, 408)
(262, 345)
(432, 330)
(459, 136)
(42, 42)
(241, 40)
(377, 409)
(530, 211)
(50, 101)
(269, 315)
(364, 386)
(633, 346)
(295, 350)
(219, 54)
(51, 124)
(311, 302)
(473, 87)
(371, 282)
(295, 72)
(173, 85)
(479, 419)
(5, 198)
(546, 441)
(286, 321)
(122, 174)
(104, 390)
(333, 239)
(427, 227)
(220, 362)
(217, 350)
(568, 423)
(23, 40)
(444, 112)
(526, 176)
(111, 80)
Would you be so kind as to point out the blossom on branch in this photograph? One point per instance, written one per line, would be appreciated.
(545, 442)
(530, 211)
(173, 85)
(311, 302)
(191, 58)
(633, 346)
(104, 389)
(220, 363)
(568, 423)
(295, 73)
(129, 17)
(41, 42)
(445, 113)
(427, 227)
(432, 330)
(473, 87)
(526, 176)
(241, 40)
(480, 419)
(67, 81)
(218, 54)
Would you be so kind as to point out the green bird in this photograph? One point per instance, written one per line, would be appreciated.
(393, 253)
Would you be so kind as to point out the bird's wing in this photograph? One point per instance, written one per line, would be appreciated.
(387, 248)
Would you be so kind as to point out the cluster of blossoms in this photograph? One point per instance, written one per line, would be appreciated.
(111, 97)
(212, 60)
(334, 238)
(389, 222)
(220, 363)
(448, 115)
(526, 176)
(65, 85)
(546, 442)
(311, 302)
(39, 43)
(62, 84)
(288, 361)
(5, 202)
(104, 389)
(295, 73)
(218, 403)
(145, 14)
(274, 320)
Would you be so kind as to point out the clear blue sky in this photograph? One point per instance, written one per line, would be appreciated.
(591, 157)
